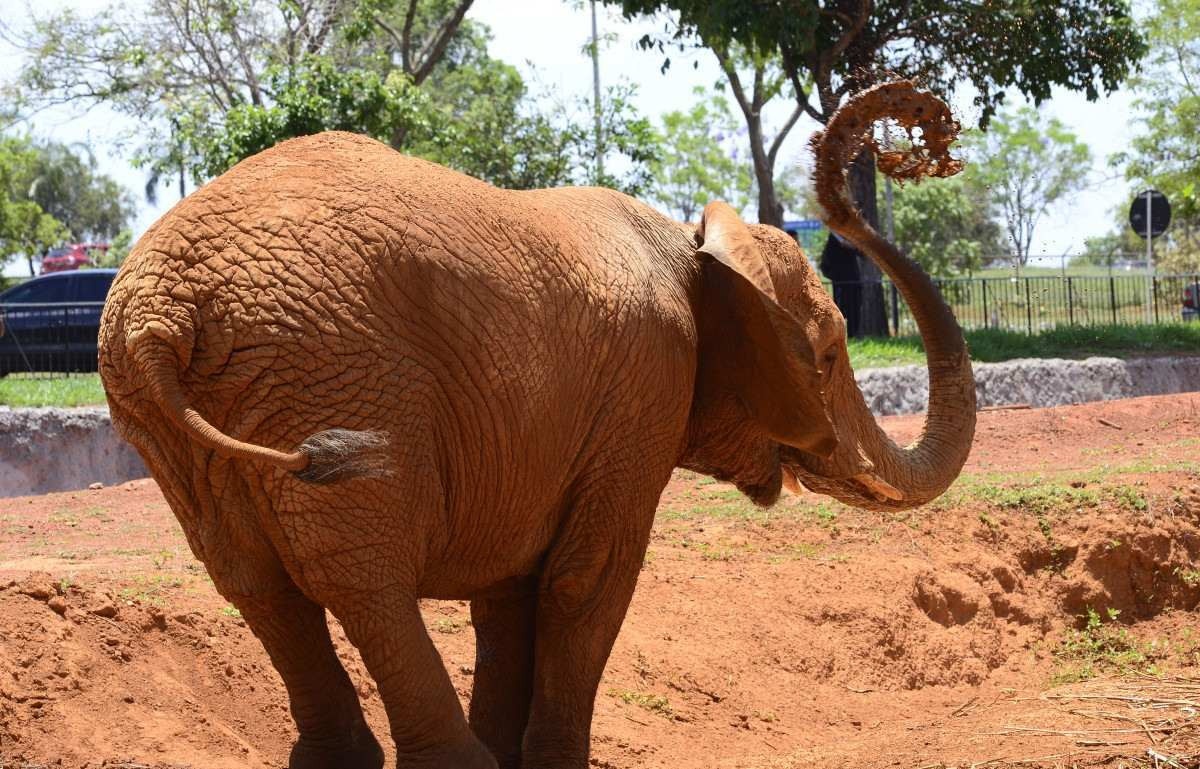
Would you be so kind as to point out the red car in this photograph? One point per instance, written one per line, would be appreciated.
(70, 257)
(1191, 302)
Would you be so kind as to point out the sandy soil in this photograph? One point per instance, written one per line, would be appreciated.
(810, 635)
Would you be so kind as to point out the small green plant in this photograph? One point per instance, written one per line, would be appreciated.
(231, 611)
(1129, 498)
(654, 703)
(1102, 647)
(715, 553)
(1189, 577)
(150, 589)
(450, 625)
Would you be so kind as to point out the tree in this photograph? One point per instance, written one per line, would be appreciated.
(947, 227)
(1028, 163)
(68, 187)
(182, 67)
(24, 227)
(215, 81)
(767, 82)
(838, 47)
(1167, 106)
(696, 165)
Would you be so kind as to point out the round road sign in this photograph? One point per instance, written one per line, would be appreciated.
(1160, 214)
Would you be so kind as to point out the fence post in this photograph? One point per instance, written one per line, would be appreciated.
(66, 330)
(895, 308)
(1154, 292)
(986, 318)
(1112, 297)
(1028, 310)
(1070, 303)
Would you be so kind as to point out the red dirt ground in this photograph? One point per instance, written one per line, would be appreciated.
(810, 635)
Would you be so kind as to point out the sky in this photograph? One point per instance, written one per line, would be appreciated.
(545, 39)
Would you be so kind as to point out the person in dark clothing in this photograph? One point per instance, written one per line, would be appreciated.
(839, 263)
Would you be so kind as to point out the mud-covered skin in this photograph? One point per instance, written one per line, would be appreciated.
(537, 364)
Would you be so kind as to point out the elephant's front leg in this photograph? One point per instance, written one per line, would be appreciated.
(588, 581)
(504, 633)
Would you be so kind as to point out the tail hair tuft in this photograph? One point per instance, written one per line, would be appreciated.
(339, 455)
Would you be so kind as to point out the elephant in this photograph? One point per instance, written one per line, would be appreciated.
(362, 379)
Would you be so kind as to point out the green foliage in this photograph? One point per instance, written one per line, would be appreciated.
(68, 187)
(1027, 45)
(1027, 163)
(1103, 647)
(211, 83)
(947, 226)
(315, 95)
(1106, 250)
(1163, 152)
(696, 165)
(118, 249)
(25, 228)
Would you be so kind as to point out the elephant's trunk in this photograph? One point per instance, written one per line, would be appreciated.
(872, 471)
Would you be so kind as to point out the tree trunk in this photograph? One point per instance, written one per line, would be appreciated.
(770, 210)
(872, 309)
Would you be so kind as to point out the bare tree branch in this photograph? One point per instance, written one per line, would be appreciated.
(431, 54)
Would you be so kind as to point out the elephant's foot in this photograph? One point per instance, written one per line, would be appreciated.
(362, 751)
(465, 753)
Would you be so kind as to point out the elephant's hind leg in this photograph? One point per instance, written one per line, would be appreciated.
(504, 633)
(427, 721)
(333, 733)
(292, 629)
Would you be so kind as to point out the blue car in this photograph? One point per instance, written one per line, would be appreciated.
(51, 323)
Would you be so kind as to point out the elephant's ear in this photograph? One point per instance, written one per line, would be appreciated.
(750, 346)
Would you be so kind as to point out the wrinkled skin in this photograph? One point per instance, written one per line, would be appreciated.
(515, 376)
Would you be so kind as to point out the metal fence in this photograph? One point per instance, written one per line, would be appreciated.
(40, 339)
(1034, 304)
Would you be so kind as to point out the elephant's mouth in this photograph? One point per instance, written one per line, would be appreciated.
(852, 480)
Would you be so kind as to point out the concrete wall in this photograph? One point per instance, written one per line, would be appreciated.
(44, 450)
(1037, 382)
(50, 449)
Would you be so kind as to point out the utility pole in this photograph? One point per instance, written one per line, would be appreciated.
(889, 199)
(596, 94)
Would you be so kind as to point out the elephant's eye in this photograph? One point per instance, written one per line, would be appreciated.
(829, 360)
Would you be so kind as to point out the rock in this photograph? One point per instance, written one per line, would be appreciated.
(58, 605)
(95, 486)
(105, 608)
(38, 586)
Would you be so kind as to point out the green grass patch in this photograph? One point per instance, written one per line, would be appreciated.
(1102, 646)
(994, 345)
(75, 390)
(653, 703)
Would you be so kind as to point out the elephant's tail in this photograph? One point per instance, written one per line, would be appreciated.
(325, 457)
